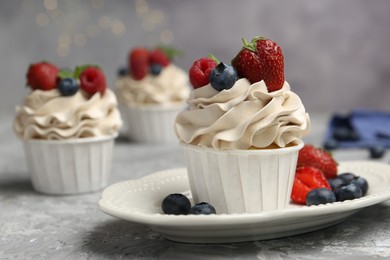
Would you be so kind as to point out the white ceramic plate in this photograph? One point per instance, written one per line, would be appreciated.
(140, 201)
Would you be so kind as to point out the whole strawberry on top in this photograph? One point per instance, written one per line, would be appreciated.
(261, 59)
(42, 75)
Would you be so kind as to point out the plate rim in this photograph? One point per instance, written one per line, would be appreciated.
(158, 219)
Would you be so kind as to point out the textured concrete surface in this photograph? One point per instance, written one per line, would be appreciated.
(35, 226)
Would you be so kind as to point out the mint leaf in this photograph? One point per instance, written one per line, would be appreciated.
(79, 69)
(170, 51)
(65, 73)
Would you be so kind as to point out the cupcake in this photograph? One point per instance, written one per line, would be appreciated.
(67, 125)
(243, 131)
(151, 92)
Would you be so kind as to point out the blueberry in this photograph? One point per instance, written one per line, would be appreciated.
(337, 182)
(377, 151)
(320, 196)
(68, 86)
(176, 204)
(363, 184)
(155, 69)
(348, 177)
(331, 144)
(348, 192)
(343, 133)
(122, 71)
(223, 77)
(202, 208)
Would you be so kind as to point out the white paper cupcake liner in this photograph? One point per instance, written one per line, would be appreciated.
(242, 181)
(151, 123)
(69, 166)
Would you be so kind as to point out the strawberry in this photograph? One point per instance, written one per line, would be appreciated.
(42, 75)
(200, 71)
(92, 80)
(261, 59)
(139, 61)
(157, 56)
(307, 179)
(316, 157)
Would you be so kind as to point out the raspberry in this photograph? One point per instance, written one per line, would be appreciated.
(92, 80)
(200, 72)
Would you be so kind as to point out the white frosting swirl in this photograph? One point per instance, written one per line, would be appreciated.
(170, 86)
(243, 117)
(50, 116)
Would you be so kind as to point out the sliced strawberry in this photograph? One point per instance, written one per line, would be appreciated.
(42, 75)
(307, 179)
(318, 158)
(139, 62)
(200, 71)
(299, 192)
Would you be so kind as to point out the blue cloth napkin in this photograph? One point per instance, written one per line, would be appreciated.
(371, 128)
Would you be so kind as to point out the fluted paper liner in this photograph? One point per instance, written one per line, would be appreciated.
(152, 123)
(70, 166)
(242, 181)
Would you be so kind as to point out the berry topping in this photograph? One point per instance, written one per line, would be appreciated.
(92, 80)
(158, 56)
(337, 182)
(348, 192)
(320, 196)
(139, 63)
(377, 152)
(306, 179)
(202, 208)
(261, 59)
(362, 183)
(176, 204)
(155, 69)
(223, 77)
(318, 158)
(200, 72)
(42, 76)
(68, 86)
(347, 177)
(122, 71)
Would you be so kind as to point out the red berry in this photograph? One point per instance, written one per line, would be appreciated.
(200, 71)
(272, 54)
(42, 75)
(318, 158)
(261, 59)
(92, 80)
(157, 56)
(139, 61)
(307, 179)
(249, 66)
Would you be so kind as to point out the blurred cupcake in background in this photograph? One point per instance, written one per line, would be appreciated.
(68, 124)
(151, 92)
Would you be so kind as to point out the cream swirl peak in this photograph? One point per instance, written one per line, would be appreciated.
(169, 87)
(51, 116)
(244, 117)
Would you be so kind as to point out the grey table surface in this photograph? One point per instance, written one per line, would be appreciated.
(36, 226)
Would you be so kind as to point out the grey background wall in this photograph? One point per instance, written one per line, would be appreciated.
(337, 53)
